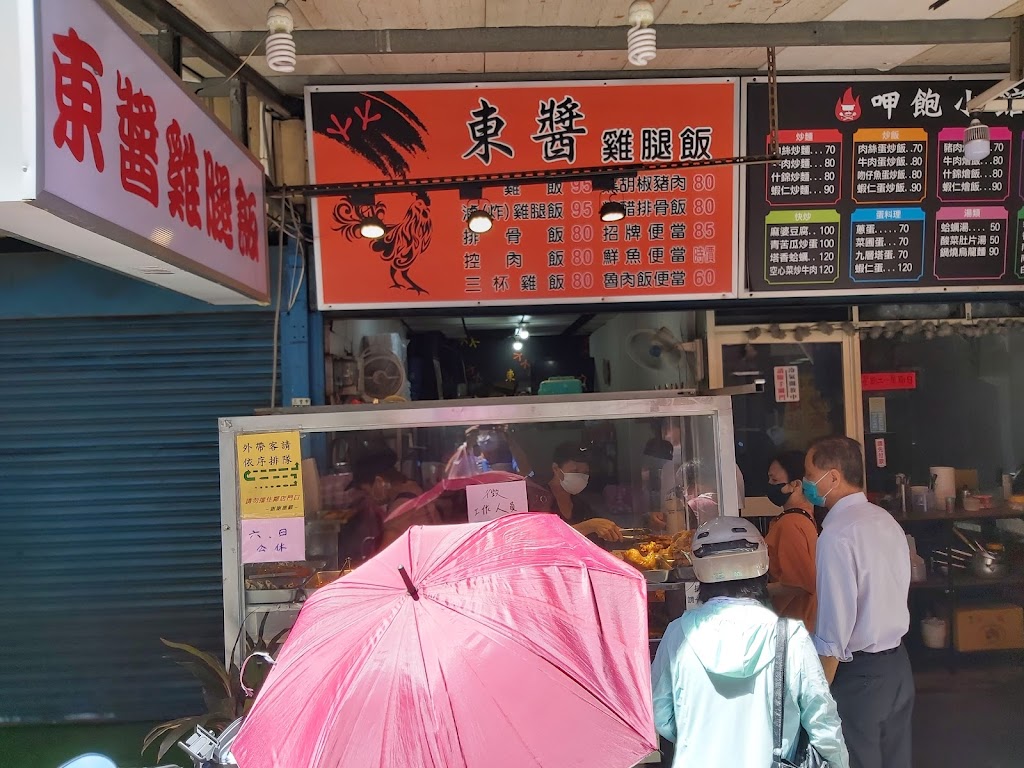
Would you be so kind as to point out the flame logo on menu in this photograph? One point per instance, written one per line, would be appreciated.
(848, 107)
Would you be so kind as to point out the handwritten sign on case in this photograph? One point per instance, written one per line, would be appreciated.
(274, 540)
(494, 500)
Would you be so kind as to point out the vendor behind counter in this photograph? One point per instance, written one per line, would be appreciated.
(570, 475)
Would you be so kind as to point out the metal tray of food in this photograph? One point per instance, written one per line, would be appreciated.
(276, 577)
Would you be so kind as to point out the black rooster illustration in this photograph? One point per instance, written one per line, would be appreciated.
(402, 243)
(379, 128)
(373, 125)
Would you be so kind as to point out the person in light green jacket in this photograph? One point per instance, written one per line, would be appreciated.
(713, 674)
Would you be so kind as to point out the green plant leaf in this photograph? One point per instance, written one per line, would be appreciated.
(210, 681)
(218, 723)
(278, 641)
(151, 737)
(204, 657)
(260, 634)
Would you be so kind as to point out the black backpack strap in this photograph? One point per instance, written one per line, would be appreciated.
(805, 513)
(797, 511)
(779, 689)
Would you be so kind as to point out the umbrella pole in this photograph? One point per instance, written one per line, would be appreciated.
(408, 583)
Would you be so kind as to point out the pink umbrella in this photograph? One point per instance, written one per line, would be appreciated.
(511, 644)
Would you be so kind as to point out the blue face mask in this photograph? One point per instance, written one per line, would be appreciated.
(811, 492)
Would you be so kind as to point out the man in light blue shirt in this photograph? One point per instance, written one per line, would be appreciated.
(863, 565)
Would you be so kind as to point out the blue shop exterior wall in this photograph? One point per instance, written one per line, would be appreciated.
(43, 284)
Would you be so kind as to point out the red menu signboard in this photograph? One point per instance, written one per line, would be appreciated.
(548, 244)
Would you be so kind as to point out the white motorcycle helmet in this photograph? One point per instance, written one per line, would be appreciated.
(91, 760)
(728, 549)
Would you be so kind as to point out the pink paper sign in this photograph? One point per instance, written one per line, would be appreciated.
(493, 500)
(274, 540)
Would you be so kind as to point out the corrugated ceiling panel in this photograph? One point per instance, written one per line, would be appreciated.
(109, 505)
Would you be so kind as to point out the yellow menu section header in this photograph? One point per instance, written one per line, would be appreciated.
(269, 475)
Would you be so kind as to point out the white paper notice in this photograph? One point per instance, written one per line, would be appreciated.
(692, 594)
(787, 384)
(876, 415)
(493, 500)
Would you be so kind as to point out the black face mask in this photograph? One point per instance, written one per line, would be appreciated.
(777, 496)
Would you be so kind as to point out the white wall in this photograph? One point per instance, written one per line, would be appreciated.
(609, 343)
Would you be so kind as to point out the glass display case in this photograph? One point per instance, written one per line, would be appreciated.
(308, 494)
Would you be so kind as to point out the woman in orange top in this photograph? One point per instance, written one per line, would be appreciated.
(792, 542)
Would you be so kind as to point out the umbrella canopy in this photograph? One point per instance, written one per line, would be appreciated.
(511, 644)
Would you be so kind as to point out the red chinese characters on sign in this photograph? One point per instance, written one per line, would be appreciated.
(136, 125)
(248, 224)
(78, 128)
(879, 382)
(880, 458)
(77, 69)
(218, 201)
(183, 176)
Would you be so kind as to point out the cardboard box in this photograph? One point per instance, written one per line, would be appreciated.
(989, 628)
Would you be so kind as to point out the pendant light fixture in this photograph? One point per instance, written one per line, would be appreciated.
(612, 210)
(371, 227)
(479, 221)
(280, 43)
(641, 39)
(976, 141)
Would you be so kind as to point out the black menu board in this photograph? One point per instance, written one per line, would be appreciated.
(873, 192)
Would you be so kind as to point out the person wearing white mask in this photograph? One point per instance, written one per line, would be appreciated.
(570, 474)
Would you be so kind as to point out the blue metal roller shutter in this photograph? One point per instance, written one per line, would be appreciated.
(109, 505)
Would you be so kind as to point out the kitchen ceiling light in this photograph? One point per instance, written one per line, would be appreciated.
(976, 142)
(612, 210)
(280, 43)
(371, 227)
(479, 221)
(517, 345)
